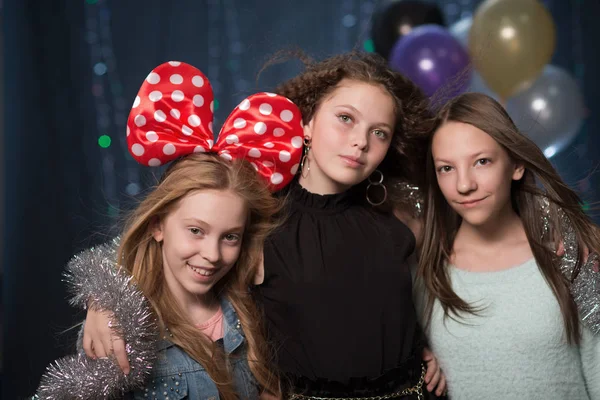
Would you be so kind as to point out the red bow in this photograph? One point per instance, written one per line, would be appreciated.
(172, 116)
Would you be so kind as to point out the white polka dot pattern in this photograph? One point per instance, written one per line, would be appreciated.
(172, 116)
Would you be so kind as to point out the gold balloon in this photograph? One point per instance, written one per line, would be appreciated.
(510, 42)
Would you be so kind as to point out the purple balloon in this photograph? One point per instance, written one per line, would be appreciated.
(433, 59)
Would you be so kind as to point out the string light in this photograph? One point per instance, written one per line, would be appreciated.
(214, 52)
(226, 64)
(104, 141)
(110, 106)
(365, 16)
(348, 20)
(236, 49)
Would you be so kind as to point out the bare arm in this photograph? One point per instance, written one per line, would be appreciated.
(259, 278)
(268, 396)
(415, 224)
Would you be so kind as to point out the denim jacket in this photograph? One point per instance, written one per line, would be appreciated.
(176, 375)
(94, 274)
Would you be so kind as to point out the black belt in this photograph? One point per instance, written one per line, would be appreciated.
(395, 383)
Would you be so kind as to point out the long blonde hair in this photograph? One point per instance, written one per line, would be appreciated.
(141, 255)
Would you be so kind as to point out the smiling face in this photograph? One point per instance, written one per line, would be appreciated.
(201, 241)
(351, 133)
(474, 172)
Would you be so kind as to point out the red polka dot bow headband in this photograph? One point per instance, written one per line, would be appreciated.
(172, 116)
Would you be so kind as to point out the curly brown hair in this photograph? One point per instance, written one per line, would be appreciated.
(405, 158)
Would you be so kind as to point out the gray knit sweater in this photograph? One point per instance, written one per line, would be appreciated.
(516, 349)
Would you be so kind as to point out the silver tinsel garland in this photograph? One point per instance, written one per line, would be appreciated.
(414, 197)
(93, 277)
(586, 293)
(585, 289)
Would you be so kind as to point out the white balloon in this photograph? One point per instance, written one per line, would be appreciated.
(551, 111)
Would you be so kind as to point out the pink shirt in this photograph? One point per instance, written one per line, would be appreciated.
(213, 328)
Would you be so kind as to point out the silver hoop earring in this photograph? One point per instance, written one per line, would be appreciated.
(305, 161)
(376, 183)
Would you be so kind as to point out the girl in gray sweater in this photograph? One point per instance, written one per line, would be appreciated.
(506, 317)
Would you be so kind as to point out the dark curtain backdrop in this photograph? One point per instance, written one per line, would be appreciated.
(72, 68)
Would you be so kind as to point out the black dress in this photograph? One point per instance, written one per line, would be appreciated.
(337, 295)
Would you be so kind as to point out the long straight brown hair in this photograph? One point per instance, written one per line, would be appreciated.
(539, 180)
(141, 255)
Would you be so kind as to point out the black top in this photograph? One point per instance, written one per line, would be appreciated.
(338, 291)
